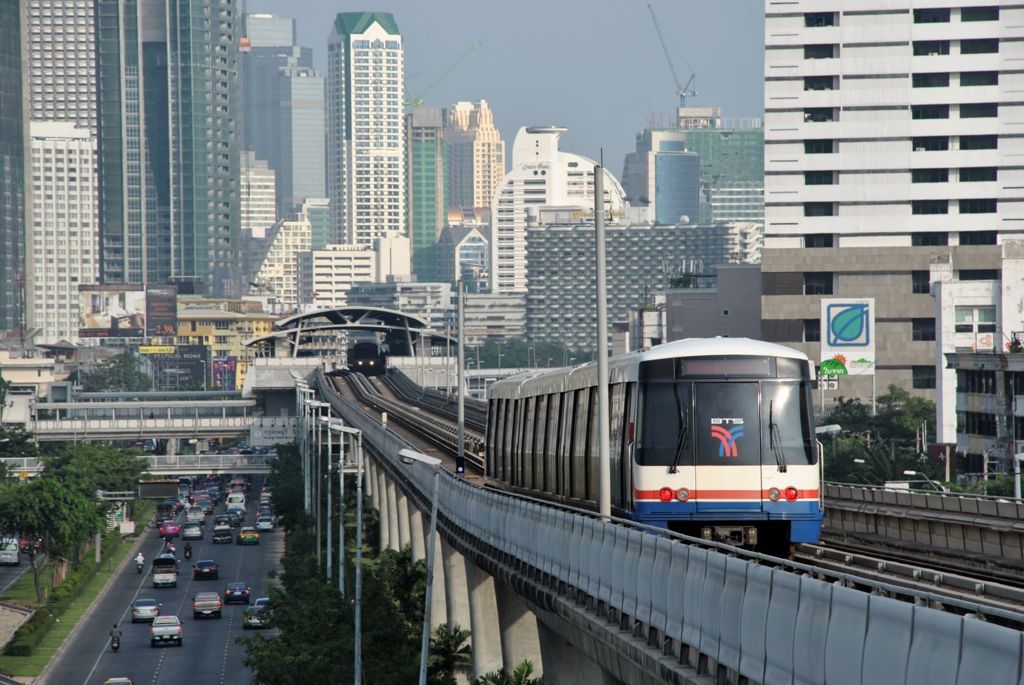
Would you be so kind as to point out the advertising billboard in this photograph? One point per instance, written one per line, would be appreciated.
(111, 311)
(161, 311)
(185, 367)
(848, 337)
(225, 371)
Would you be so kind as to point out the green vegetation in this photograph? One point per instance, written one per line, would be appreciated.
(120, 373)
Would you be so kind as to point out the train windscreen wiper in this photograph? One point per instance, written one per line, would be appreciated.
(775, 439)
(684, 434)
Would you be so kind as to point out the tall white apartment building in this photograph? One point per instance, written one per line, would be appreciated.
(62, 61)
(541, 175)
(327, 275)
(278, 274)
(64, 240)
(892, 140)
(365, 129)
(476, 154)
(258, 197)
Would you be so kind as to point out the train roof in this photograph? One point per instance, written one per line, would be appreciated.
(625, 367)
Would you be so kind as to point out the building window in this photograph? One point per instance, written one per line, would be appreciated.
(978, 174)
(931, 16)
(819, 83)
(978, 110)
(819, 209)
(823, 51)
(924, 48)
(979, 46)
(979, 275)
(979, 78)
(929, 111)
(819, 240)
(930, 143)
(923, 377)
(990, 13)
(930, 175)
(920, 282)
(820, 114)
(819, 178)
(933, 80)
(812, 330)
(970, 319)
(818, 283)
(976, 423)
(819, 19)
(922, 329)
(978, 238)
(929, 207)
(978, 206)
(819, 146)
(983, 142)
(929, 239)
(977, 382)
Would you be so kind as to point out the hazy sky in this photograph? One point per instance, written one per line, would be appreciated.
(593, 66)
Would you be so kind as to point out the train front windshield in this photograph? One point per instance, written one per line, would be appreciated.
(713, 413)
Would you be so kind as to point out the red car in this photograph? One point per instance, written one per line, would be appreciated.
(170, 529)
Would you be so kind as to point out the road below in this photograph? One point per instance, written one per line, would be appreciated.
(209, 655)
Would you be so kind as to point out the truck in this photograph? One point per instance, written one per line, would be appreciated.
(165, 571)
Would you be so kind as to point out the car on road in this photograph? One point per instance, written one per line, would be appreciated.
(205, 569)
(164, 572)
(255, 615)
(145, 609)
(222, 520)
(236, 515)
(195, 514)
(165, 629)
(248, 536)
(170, 529)
(206, 503)
(265, 523)
(222, 534)
(237, 592)
(192, 531)
(206, 604)
(119, 681)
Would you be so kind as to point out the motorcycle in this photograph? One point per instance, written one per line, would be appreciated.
(188, 553)
(115, 644)
(138, 567)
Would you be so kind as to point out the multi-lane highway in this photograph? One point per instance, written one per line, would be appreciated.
(209, 654)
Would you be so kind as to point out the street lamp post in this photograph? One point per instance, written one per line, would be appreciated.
(317, 489)
(408, 457)
(926, 478)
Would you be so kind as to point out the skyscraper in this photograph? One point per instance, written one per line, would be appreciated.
(365, 136)
(883, 158)
(663, 175)
(168, 149)
(62, 61)
(424, 135)
(476, 155)
(14, 206)
(257, 195)
(284, 108)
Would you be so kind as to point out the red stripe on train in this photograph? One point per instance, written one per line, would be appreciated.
(723, 494)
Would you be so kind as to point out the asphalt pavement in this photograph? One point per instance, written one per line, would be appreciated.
(209, 655)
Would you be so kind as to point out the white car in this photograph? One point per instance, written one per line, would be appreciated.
(165, 629)
(195, 515)
(144, 609)
(192, 531)
(265, 523)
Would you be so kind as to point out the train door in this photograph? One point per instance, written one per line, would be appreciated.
(728, 436)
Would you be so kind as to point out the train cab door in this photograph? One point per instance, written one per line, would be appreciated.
(727, 429)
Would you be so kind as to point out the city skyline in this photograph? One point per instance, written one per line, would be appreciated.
(602, 104)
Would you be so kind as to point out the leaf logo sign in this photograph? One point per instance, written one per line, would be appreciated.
(848, 325)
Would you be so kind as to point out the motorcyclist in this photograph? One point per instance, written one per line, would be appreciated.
(188, 551)
(115, 637)
(139, 559)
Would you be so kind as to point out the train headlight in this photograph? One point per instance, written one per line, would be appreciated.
(791, 494)
(666, 494)
(773, 494)
(682, 494)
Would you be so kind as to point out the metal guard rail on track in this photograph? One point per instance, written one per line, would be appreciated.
(476, 411)
(949, 503)
(767, 624)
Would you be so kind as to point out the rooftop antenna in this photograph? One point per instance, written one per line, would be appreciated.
(682, 91)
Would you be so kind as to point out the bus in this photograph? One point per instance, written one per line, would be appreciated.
(10, 552)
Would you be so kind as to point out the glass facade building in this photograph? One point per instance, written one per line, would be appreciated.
(13, 204)
(424, 133)
(676, 184)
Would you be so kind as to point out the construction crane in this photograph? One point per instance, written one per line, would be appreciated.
(682, 91)
(418, 100)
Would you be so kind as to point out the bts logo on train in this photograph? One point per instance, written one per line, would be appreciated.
(728, 431)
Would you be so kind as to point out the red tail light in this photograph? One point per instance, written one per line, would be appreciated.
(791, 494)
(666, 494)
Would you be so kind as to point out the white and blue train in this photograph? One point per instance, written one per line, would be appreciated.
(709, 437)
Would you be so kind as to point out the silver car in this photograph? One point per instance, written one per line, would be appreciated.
(144, 609)
(265, 523)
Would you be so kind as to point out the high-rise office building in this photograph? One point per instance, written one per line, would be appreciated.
(541, 175)
(317, 211)
(62, 61)
(476, 155)
(663, 175)
(425, 192)
(284, 108)
(888, 147)
(278, 275)
(15, 211)
(64, 242)
(365, 135)
(258, 193)
(168, 142)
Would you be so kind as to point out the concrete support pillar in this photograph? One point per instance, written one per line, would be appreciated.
(456, 591)
(566, 665)
(382, 511)
(371, 480)
(173, 445)
(418, 536)
(438, 600)
(483, 612)
(519, 638)
(394, 541)
(403, 519)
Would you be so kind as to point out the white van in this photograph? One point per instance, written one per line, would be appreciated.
(236, 499)
(10, 553)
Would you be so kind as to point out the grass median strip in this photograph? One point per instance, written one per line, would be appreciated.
(24, 592)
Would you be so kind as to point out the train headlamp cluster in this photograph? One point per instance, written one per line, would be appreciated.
(789, 493)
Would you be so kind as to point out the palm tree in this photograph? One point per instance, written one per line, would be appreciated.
(449, 652)
(522, 675)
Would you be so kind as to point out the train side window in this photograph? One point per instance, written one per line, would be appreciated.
(565, 446)
(518, 409)
(580, 438)
(593, 426)
(492, 429)
(539, 433)
(616, 406)
(508, 428)
(551, 447)
(526, 453)
(627, 444)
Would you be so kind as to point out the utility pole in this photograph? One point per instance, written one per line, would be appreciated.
(604, 449)
(460, 460)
